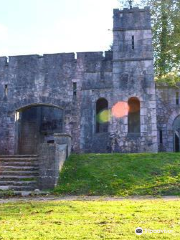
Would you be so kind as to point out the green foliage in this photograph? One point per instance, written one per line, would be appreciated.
(170, 79)
(121, 174)
(90, 220)
(166, 35)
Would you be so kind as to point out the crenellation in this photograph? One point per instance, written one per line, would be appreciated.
(140, 18)
(109, 55)
(3, 62)
(60, 56)
(90, 56)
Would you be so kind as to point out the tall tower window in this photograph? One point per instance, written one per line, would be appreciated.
(134, 115)
(102, 115)
(133, 42)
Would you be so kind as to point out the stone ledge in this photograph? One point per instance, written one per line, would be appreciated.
(62, 135)
(132, 59)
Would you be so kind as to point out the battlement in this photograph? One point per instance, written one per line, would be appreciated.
(98, 56)
(64, 57)
(132, 19)
(134, 9)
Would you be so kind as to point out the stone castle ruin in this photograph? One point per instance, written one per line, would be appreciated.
(95, 102)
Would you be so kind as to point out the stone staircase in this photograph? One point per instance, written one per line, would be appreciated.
(19, 172)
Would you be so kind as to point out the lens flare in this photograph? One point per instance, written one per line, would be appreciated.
(120, 109)
(103, 116)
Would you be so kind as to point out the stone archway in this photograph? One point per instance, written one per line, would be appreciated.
(37, 123)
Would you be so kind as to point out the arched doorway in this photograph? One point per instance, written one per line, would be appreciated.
(176, 130)
(36, 124)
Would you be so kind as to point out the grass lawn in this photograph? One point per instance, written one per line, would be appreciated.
(121, 174)
(53, 220)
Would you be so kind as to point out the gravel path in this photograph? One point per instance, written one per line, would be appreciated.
(85, 198)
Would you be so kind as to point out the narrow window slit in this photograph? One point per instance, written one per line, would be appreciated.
(160, 136)
(133, 42)
(177, 98)
(6, 89)
(74, 89)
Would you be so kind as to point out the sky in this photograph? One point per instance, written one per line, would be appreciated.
(54, 26)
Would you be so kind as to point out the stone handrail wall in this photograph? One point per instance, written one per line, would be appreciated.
(51, 159)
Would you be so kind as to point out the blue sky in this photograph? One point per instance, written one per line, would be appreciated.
(51, 26)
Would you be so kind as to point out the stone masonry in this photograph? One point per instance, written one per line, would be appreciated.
(61, 93)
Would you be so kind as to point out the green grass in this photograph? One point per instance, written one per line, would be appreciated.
(6, 193)
(79, 220)
(121, 174)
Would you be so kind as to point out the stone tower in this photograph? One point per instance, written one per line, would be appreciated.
(133, 126)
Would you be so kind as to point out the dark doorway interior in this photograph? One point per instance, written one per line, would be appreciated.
(35, 124)
(176, 147)
(176, 129)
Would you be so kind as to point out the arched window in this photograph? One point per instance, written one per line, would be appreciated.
(102, 115)
(134, 115)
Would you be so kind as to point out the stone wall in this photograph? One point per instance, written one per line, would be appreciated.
(167, 111)
(48, 80)
(51, 159)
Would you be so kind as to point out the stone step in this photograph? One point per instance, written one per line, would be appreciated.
(18, 178)
(18, 160)
(17, 168)
(18, 156)
(18, 183)
(18, 188)
(6, 163)
(19, 173)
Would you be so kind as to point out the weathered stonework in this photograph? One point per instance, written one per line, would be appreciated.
(168, 110)
(74, 84)
(133, 76)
